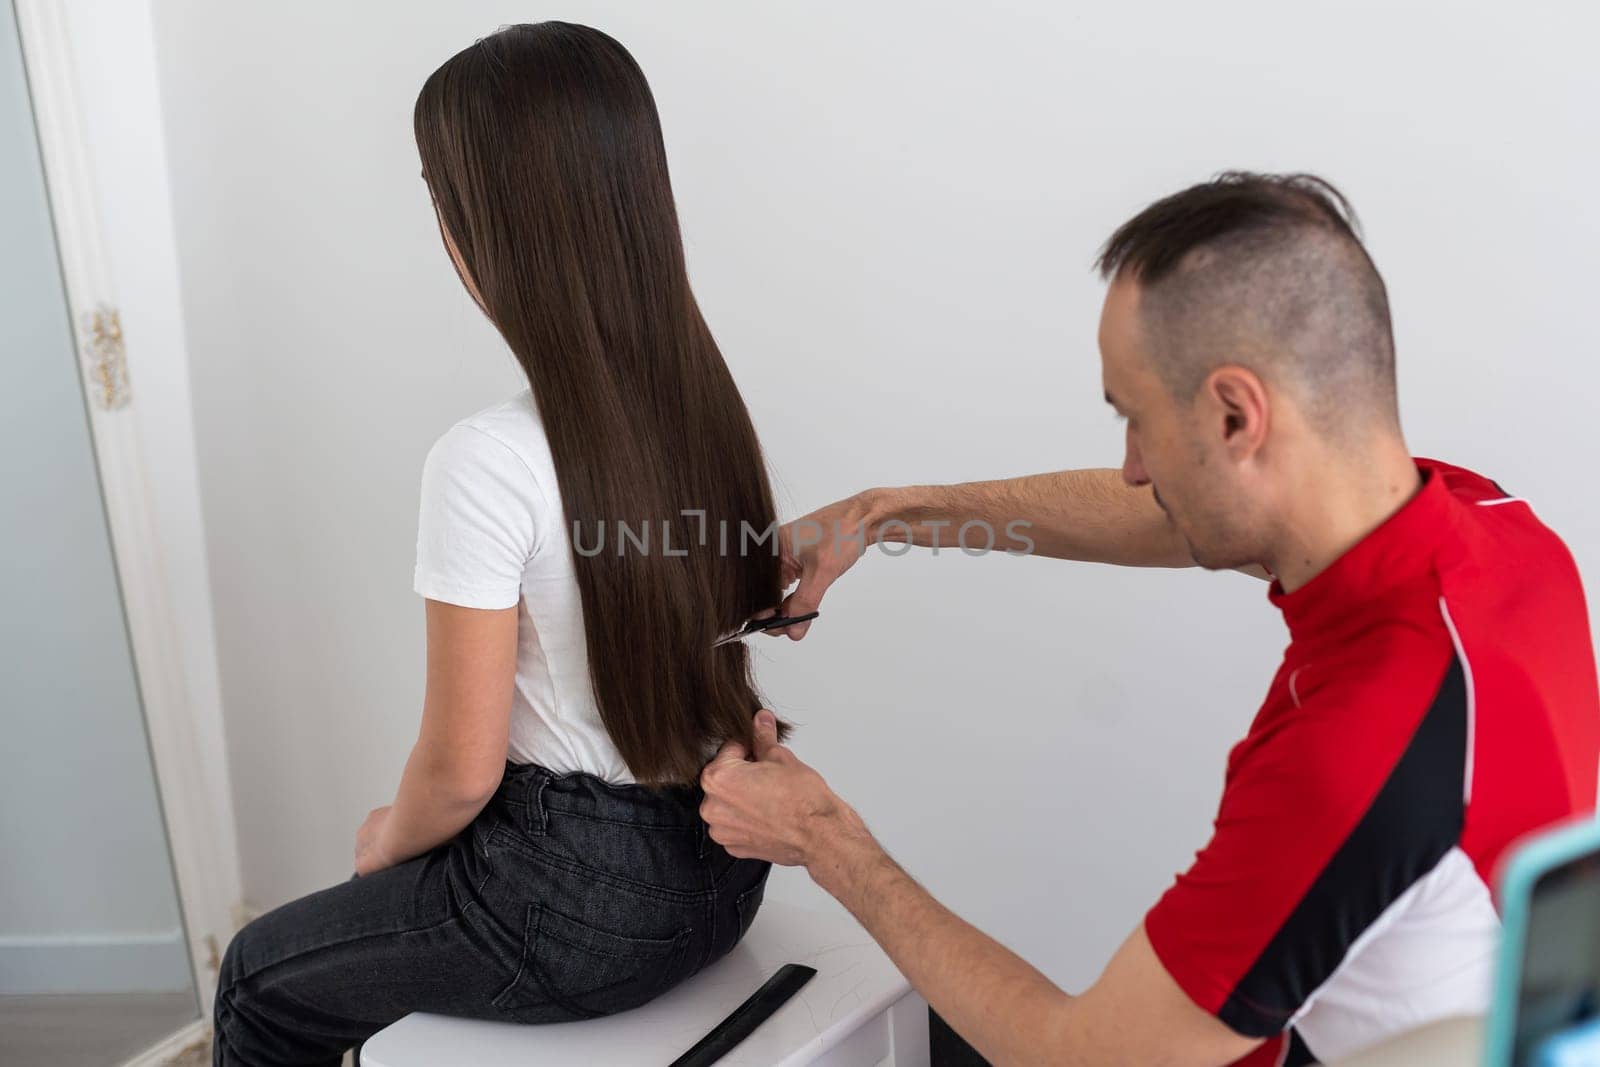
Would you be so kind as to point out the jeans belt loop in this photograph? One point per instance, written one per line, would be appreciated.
(538, 815)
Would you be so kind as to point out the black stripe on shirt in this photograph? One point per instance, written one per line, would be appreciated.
(1298, 1055)
(1412, 823)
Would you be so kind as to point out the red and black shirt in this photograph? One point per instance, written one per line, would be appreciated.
(1437, 701)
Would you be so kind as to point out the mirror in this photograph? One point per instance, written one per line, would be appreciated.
(94, 963)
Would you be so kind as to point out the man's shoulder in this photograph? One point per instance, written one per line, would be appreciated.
(1465, 485)
(1499, 535)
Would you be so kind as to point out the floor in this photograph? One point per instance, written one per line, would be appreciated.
(87, 1029)
(198, 1056)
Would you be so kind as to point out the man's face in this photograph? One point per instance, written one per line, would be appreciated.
(1174, 446)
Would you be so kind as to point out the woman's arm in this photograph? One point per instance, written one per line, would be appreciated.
(460, 753)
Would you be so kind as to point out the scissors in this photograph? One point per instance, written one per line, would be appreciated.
(756, 626)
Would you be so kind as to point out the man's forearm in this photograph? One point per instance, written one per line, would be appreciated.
(991, 996)
(1088, 515)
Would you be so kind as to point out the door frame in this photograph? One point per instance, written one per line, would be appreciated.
(188, 759)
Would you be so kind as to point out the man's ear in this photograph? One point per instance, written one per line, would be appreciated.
(1241, 400)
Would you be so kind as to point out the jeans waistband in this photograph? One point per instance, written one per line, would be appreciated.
(533, 794)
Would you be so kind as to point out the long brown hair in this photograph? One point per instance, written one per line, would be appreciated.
(543, 152)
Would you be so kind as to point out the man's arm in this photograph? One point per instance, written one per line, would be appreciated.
(777, 808)
(1087, 515)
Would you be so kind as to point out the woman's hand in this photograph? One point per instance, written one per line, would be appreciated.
(370, 857)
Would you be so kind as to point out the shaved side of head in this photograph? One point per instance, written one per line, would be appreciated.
(1266, 272)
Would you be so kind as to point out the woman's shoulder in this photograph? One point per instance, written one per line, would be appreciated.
(484, 509)
(499, 456)
(512, 425)
(514, 420)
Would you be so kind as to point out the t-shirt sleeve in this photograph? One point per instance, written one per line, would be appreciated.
(477, 523)
(1325, 821)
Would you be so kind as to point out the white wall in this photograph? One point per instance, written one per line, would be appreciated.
(890, 210)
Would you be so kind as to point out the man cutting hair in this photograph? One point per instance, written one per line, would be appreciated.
(1436, 701)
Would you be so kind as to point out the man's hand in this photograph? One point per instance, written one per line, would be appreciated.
(818, 548)
(768, 805)
(774, 807)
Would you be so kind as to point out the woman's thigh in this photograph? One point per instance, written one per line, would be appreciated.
(311, 978)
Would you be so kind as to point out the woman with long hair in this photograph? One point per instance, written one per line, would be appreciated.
(581, 547)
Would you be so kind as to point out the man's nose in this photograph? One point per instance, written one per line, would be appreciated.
(1133, 471)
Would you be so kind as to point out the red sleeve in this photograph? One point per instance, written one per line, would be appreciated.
(1319, 830)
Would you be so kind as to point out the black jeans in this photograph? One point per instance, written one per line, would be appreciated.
(566, 898)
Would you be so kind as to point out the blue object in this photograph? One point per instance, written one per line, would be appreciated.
(1563, 1027)
(1578, 1047)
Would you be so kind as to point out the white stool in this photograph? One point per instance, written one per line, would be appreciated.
(857, 1012)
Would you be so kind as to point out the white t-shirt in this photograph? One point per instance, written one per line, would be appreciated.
(491, 533)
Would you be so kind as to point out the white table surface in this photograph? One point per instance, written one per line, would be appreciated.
(855, 982)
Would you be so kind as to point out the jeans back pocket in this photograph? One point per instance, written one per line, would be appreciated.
(581, 971)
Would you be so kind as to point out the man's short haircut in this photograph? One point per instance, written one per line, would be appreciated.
(1266, 271)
